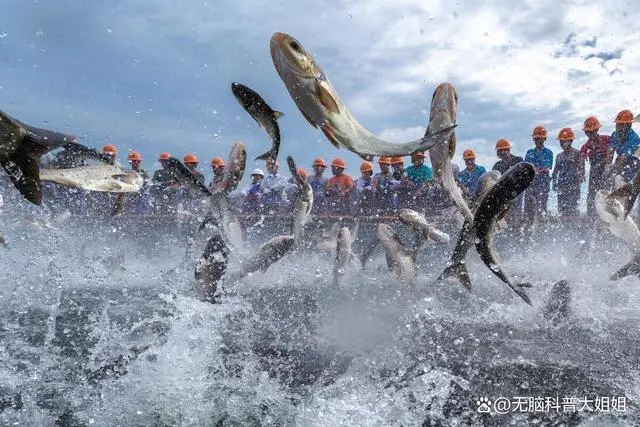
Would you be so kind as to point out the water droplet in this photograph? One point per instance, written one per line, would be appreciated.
(215, 111)
(39, 33)
(3, 34)
(109, 30)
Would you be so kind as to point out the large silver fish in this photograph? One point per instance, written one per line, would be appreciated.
(443, 114)
(457, 265)
(105, 178)
(323, 108)
(262, 113)
(21, 147)
(401, 258)
(494, 204)
(270, 252)
(611, 210)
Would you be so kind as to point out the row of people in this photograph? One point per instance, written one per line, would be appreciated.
(394, 185)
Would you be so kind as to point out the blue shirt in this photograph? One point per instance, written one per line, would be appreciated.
(419, 175)
(628, 146)
(541, 159)
(469, 178)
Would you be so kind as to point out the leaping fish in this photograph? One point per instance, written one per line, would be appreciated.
(444, 105)
(262, 113)
(320, 104)
(495, 203)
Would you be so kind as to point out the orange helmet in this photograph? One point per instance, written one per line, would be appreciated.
(319, 162)
(539, 132)
(217, 161)
(303, 173)
(164, 156)
(468, 154)
(339, 163)
(190, 159)
(417, 154)
(624, 117)
(366, 167)
(591, 124)
(134, 156)
(109, 149)
(566, 134)
(503, 144)
(384, 160)
(398, 160)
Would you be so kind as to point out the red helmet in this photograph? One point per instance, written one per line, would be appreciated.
(134, 156)
(591, 124)
(164, 156)
(190, 159)
(109, 149)
(319, 162)
(338, 163)
(624, 117)
(366, 167)
(539, 132)
(566, 134)
(503, 144)
(468, 154)
(217, 161)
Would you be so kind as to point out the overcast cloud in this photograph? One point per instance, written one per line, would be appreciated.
(154, 75)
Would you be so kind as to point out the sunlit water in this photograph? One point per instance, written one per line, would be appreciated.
(101, 326)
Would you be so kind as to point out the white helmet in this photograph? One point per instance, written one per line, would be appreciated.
(258, 172)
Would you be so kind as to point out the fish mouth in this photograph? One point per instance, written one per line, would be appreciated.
(287, 53)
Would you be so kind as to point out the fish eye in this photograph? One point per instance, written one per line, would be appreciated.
(295, 46)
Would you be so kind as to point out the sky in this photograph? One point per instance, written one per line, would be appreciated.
(155, 75)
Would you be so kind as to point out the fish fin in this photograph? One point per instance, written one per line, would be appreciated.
(626, 196)
(326, 99)
(24, 172)
(432, 138)
(271, 154)
(460, 272)
(452, 146)
(307, 118)
(366, 157)
(328, 130)
(81, 152)
(277, 114)
(521, 293)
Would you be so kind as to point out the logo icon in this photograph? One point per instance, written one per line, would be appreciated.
(484, 405)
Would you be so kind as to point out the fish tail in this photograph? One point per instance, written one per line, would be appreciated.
(521, 293)
(460, 272)
(271, 154)
(430, 139)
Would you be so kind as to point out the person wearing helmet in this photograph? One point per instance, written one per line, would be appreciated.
(135, 159)
(273, 187)
(318, 184)
(468, 177)
(338, 188)
(163, 177)
(217, 167)
(191, 162)
(625, 143)
(503, 151)
(254, 192)
(595, 151)
(384, 185)
(111, 151)
(364, 190)
(567, 176)
(537, 195)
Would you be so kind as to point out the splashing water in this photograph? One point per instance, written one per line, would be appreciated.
(107, 330)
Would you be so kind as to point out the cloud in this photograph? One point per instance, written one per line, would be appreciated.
(155, 74)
